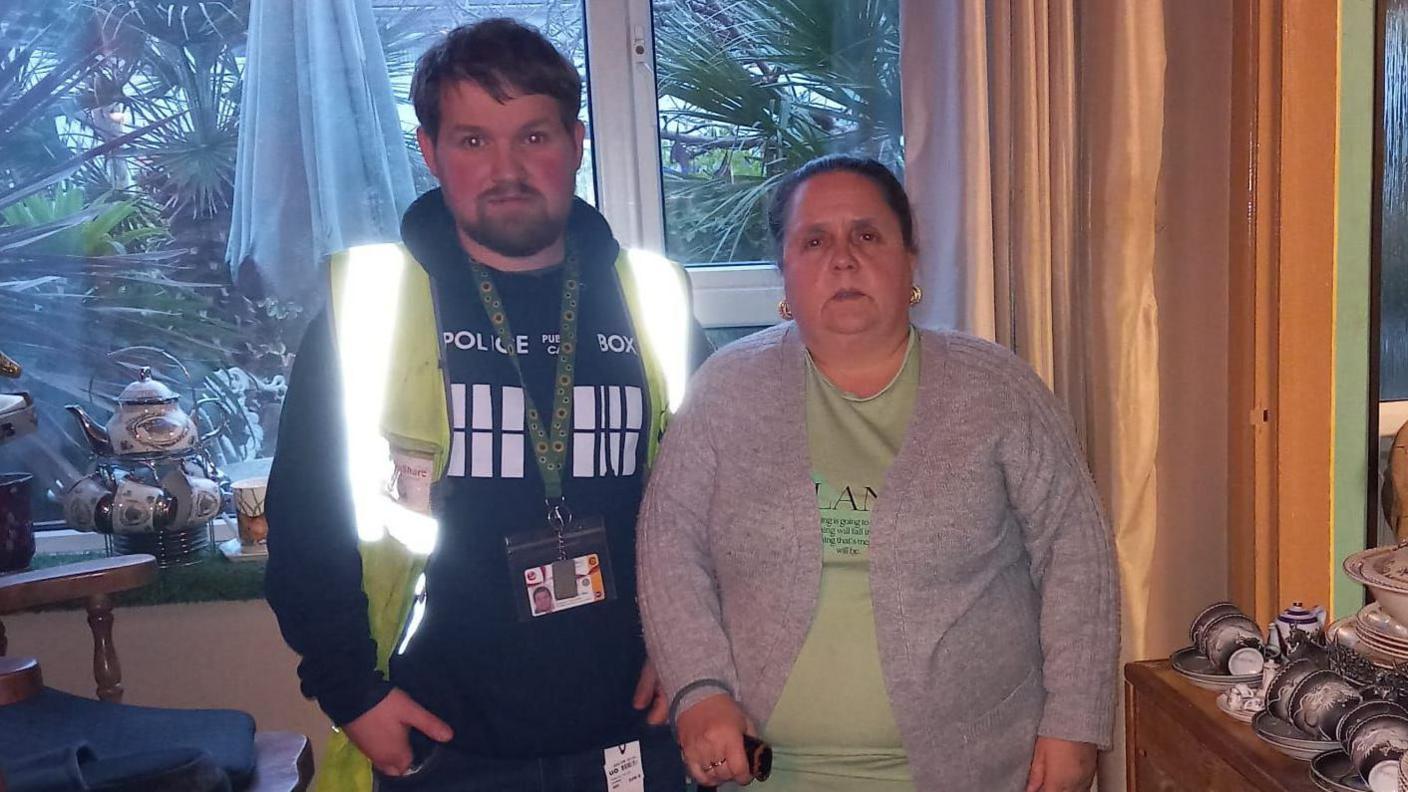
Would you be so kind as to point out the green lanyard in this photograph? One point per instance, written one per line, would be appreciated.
(549, 446)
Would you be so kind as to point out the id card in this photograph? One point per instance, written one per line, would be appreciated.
(560, 586)
(553, 573)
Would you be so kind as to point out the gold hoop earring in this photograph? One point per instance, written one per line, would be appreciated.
(915, 295)
(784, 310)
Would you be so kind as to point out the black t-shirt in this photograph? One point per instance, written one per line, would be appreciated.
(563, 681)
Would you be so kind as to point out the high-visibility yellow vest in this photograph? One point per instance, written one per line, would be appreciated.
(402, 349)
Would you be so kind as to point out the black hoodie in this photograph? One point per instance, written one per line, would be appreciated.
(556, 684)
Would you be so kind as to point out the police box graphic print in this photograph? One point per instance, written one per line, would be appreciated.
(489, 437)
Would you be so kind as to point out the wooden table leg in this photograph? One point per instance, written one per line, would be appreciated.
(1131, 779)
(106, 670)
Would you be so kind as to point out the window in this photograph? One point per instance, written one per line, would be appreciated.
(409, 27)
(119, 130)
(752, 89)
(710, 102)
(1393, 229)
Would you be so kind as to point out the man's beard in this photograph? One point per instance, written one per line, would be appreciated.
(525, 233)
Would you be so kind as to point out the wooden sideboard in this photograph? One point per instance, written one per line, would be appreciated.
(1177, 740)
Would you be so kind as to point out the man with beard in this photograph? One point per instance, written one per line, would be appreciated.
(550, 414)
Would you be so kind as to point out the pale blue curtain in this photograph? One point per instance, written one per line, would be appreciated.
(322, 163)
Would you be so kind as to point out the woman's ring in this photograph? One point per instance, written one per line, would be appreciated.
(713, 765)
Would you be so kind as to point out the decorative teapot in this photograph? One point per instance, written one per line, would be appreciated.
(148, 422)
(152, 473)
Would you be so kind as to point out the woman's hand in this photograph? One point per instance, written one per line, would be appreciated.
(1061, 766)
(650, 696)
(711, 739)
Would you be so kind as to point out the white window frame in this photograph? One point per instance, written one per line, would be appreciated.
(626, 145)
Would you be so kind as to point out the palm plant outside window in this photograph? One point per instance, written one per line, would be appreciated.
(119, 128)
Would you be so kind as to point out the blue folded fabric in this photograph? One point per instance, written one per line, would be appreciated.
(77, 768)
(70, 732)
(56, 770)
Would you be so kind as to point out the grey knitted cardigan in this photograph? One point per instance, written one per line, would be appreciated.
(992, 572)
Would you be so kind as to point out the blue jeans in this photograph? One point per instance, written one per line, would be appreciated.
(446, 769)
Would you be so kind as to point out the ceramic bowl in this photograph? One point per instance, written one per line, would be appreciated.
(1384, 571)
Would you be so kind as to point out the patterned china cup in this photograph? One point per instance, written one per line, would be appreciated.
(1233, 644)
(1321, 701)
(1278, 697)
(1209, 614)
(1381, 740)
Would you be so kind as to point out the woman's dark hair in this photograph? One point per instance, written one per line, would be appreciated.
(504, 57)
(895, 197)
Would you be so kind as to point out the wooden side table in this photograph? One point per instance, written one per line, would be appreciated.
(1177, 740)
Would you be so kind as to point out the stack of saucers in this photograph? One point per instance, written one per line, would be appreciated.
(1287, 739)
(1335, 773)
(1381, 632)
(1345, 632)
(1200, 671)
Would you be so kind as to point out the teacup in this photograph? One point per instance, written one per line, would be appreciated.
(1364, 712)
(141, 508)
(88, 505)
(1210, 614)
(1376, 741)
(205, 500)
(1278, 696)
(16, 525)
(1321, 701)
(1223, 619)
(1233, 644)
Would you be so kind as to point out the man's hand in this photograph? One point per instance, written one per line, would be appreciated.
(383, 732)
(711, 739)
(650, 694)
(1061, 766)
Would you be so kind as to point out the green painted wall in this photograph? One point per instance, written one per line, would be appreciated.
(1352, 344)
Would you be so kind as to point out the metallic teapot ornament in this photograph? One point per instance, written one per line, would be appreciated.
(152, 473)
(148, 423)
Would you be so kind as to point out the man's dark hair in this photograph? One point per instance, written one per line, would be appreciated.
(504, 57)
(895, 196)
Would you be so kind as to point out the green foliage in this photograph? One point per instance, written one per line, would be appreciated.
(752, 89)
(118, 130)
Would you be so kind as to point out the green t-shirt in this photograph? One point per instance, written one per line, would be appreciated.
(832, 728)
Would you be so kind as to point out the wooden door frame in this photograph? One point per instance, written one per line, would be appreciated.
(1282, 311)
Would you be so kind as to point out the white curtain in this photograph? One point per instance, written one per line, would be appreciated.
(1035, 142)
(322, 163)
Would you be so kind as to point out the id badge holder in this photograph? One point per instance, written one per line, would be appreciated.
(560, 568)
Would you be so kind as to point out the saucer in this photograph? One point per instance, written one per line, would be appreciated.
(1332, 771)
(234, 551)
(1201, 672)
(1289, 740)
